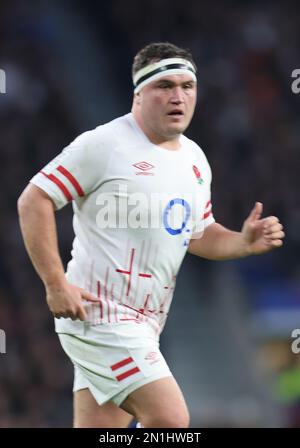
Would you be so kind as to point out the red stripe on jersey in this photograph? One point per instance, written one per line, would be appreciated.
(127, 374)
(113, 298)
(145, 275)
(206, 215)
(208, 203)
(116, 313)
(146, 301)
(71, 178)
(130, 307)
(60, 185)
(122, 271)
(129, 319)
(99, 296)
(130, 268)
(105, 293)
(122, 363)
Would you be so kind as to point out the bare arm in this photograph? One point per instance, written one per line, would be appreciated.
(219, 243)
(256, 237)
(37, 221)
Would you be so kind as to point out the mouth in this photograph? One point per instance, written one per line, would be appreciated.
(177, 113)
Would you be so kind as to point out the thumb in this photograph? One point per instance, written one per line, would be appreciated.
(256, 212)
(85, 295)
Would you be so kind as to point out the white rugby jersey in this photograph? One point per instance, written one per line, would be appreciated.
(136, 206)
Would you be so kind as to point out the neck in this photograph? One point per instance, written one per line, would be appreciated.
(171, 143)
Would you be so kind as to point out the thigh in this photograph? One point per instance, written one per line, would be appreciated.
(89, 414)
(158, 404)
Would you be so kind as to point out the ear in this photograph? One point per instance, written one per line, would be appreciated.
(137, 98)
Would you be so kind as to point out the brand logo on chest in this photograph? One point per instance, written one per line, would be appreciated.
(144, 168)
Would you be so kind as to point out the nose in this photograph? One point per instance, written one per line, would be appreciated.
(177, 95)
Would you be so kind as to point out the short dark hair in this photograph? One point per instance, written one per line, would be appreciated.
(156, 51)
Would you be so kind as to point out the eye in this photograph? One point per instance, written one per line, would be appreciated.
(188, 86)
(164, 85)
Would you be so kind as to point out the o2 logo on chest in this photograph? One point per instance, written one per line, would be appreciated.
(175, 217)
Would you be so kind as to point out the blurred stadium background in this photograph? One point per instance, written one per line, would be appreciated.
(228, 338)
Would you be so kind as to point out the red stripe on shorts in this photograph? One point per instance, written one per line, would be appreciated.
(127, 374)
(121, 363)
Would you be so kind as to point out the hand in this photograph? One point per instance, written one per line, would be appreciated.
(66, 301)
(261, 235)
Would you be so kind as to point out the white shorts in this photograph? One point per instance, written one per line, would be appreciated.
(113, 360)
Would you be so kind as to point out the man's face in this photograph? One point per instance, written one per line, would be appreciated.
(166, 106)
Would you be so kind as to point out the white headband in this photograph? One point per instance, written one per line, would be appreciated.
(170, 66)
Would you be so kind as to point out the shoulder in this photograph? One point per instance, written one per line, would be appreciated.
(196, 151)
(108, 135)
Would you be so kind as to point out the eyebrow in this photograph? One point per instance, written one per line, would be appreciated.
(171, 82)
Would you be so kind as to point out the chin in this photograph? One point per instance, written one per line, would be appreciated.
(176, 129)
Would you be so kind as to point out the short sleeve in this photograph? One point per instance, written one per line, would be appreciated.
(75, 172)
(206, 217)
